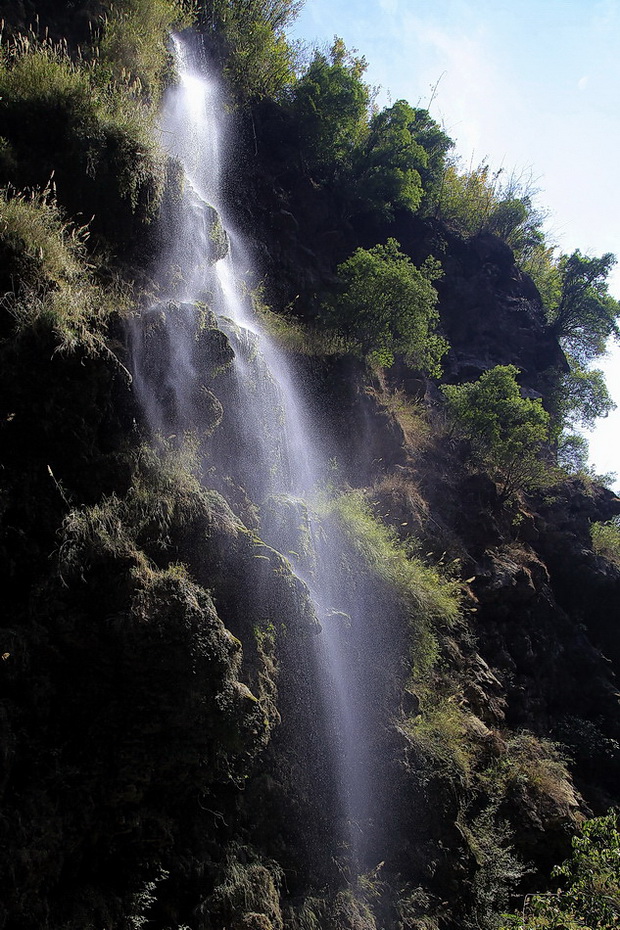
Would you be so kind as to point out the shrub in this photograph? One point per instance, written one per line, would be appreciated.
(132, 49)
(46, 279)
(606, 540)
(507, 432)
(590, 897)
(389, 307)
(425, 595)
(477, 201)
(585, 315)
(250, 41)
(330, 103)
(398, 160)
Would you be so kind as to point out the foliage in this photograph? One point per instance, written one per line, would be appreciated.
(582, 396)
(61, 119)
(293, 334)
(477, 201)
(586, 315)
(398, 160)
(572, 453)
(132, 48)
(426, 595)
(590, 896)
(508, 432)
(330, 104)
(389, 306)
(46, 279)
(606, 540)
(250, 41)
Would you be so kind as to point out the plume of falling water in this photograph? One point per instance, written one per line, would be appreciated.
(272, 445)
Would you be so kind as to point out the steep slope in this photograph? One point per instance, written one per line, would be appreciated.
(164, 738)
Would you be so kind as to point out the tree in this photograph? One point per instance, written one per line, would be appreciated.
(388, 306)
(590, 899)
(507, 431)
(399, 159)
(581, 396)
(586, 315)
(330, 102)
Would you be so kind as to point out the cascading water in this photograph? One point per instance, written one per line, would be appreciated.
(266, 439)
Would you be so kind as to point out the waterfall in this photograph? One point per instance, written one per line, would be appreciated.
(267, 440)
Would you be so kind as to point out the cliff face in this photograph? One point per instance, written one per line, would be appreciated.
(164, 736)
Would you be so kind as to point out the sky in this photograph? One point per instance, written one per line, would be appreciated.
(526, 85)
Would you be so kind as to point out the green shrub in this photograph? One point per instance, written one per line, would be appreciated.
(46, 279)
(584, 315)
(606, 540)
(477, 201)
(61, 121)
(251, 44)
(398, 161)
(425, 595)
(508, 432)
(133, 46)
(589, 896)
(330, 104)
(388, 306)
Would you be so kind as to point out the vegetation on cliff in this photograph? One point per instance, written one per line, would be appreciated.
(163, 744)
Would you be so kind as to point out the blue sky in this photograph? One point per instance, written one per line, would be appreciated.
(527, 85)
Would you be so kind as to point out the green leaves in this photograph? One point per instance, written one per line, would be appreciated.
(389, 307)
(331, 103)
(586, 314)
(590, 898)
(508, 432)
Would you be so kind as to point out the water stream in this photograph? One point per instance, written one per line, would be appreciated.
(269, 443)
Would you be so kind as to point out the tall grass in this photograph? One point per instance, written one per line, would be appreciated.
(426, 596)
(46, 278)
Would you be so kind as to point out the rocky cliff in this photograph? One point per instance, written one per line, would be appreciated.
(164, 755)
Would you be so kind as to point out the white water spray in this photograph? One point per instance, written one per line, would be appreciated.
(275, 453)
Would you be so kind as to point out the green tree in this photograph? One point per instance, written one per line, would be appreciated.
(586, 315)
(399, 159)
(330, 102)
(590, 898)
(389, 306)
(507, 431)
(581, 396)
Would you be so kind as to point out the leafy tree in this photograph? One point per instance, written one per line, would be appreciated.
(508, 432)
(399, 159)
(586, 315)
(388, 306)
(590, 899)
(581, 396)
(330, 102)
(572, 453)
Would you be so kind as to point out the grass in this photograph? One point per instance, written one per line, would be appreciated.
(294, 336)
(426, 595)
(133, 47)
(68, 119)
(47, 280)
